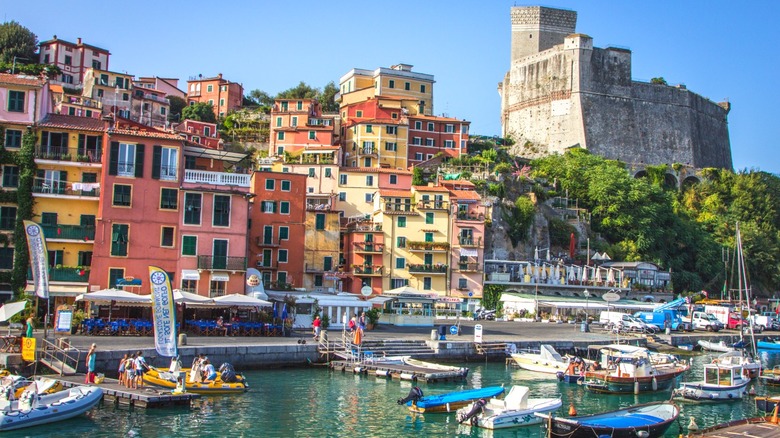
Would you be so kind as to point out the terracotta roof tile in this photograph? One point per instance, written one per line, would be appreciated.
(375, 170)
(147, 133)
(395, 193)
(437, 118)
(61, 121)
(456, 182)
(431, 189)
(32, 81)
(465, 195)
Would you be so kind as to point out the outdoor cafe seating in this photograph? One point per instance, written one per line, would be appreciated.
(210, 328)
(131, 327)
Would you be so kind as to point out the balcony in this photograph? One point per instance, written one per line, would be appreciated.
(367, 270)
(318, 206)
(433, 205)
(80, 101)
(367, 151)
(267, 243)
(439, 269)
(61, 153)
(470, 267)
(266, 265)
(318, 122)
(368, 247)
(216, 178)
(69, 232)
(222, 263)
(470, 216)
(470, 242)
(398, 208)
(74, 274)
(427, 246)
(54, 187)
(363, 227)
(156, 98)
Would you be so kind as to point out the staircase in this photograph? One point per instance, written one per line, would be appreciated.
(63, 361)
(398, 347)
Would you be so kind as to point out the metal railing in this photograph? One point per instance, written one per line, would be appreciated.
(435, 269)
(52, 355)
(216, 178)
(71, 232)
(226, 263)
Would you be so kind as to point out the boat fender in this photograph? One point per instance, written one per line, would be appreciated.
(358, 370)
(731, 395)
(655, 384)
(636, 386)
(692, 426)
(559, 375)
(572, 410)
(712, 396)
(382, 373)
(406, 376)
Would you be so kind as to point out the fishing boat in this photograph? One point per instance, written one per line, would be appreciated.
(33, 409)
(449, 401)
(631, 369)
(771, 377)
(750, 366)
(767, 403)
(652, 418)
(515, 410)
(721, 383)
(719, 346)
(178, 380)
(768, 344)
(544, 360)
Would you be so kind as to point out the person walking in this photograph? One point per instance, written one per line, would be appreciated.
(317, 324)
(30, 327)
(91, 358)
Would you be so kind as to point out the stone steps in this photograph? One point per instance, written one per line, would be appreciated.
(398, 348)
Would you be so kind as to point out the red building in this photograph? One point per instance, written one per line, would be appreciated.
(202, 133)
(278, 228)
(223, 94)
(298, 125)
(429, 135)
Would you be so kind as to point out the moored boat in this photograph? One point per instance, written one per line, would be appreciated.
(719, 346)
(652, 418)
(721, 383)
(515, 410)
(771, 377)
(449, 401)
(173, 380)
(19, 384)
(32, 409)
(767, 403)
(750, 427)
(632, 369)
(750, 366)
(768, 344)
(544, 360)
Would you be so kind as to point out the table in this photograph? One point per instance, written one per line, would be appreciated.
(10, 344)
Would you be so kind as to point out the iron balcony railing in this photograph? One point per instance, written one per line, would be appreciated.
(70, 232)
(224, 263)
(434, 269)
(75, 274)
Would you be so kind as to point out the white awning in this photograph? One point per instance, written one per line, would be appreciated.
(219, 277)
(190, 274)
(59, 290)
(468, 252)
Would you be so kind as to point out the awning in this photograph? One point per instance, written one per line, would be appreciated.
(190, 274)
(219, 277)
(469, 252)
(59, 290)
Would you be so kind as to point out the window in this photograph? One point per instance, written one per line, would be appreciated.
(428, 218)
(192, 206)
(169, 199)
(328, 172)
(10, 176)
(268, 206)
(366, 162)
(126, 160)
(221, 211)
(281, 277)
(428, 156)
(6, 258)
(391, 84)
(162, 111)
(407, 86)
(400, 263)
(462, 284)
(312, 135)
(358, 113)
(428, 235)
(87, 221)
(391, 146)
(84, 258)
(369, 197)
(270, 184)
(369, 128)
(125, 96)
(401, 242)
(422, 88)
(122, 195)
(393, 179)
(282, 256)
(278, 122)
(115, 274)
(318, 280)
(299, 105)
(294, 121)
(16, 101)
(190, 286)
(401, 221)
(165, 163)
(221, 102)
(430, 126)
(449, 144)
(166, 239)
(391, 130)
(426, 283)
(68, 60)
(418, 125)
(13, 138)
(7, 218)
(119, 239)
(285, 185)
(343, 179)
(312, 174)
(418, 156)
(49, 219)
(327, 263)
(369, 180)
(430, 142)
(342, 196)
(284, 207)
(393, 115)
(68, 79)
(319, 223)
(209, 88)
(280, 135)
(284, 233)
(449, 128)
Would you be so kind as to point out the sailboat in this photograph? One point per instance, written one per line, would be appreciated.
(751, 366)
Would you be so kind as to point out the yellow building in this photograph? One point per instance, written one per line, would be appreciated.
(66, 191)
(321, 249)
(415, 89)
(375, 140)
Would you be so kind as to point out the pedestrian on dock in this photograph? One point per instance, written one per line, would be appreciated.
(130, 381)
(362, 321)
(140, 368)
(317, 324)
(121, 370)
(91, 364)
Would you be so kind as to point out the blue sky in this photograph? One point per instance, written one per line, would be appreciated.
(720, 49)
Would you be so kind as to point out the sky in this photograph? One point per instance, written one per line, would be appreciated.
(720, 49)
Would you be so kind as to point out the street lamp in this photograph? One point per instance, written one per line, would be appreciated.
(585, 323)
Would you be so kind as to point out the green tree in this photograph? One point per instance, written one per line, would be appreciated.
(260, 98)
(327, 98)
(17, 41)
(201, 112)
(519, 219)
(24, 209)
(300, 91)
(177, 106)
(659, 80)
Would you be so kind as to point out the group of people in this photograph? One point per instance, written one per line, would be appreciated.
(203, 370)
(355, 326)
(131, 370)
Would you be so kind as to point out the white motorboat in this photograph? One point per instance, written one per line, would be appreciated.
(721, 383)
(516, 409)
(32, 409)
(545, 360)
(750, 366)
(719, 346)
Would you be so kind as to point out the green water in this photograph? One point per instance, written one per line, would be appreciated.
(316, 402)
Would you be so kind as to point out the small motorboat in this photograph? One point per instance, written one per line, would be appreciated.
(178, 380)
(33, 409)
(750, 366)
(768, 344)
(544, 360)
(19, 384)
(721, 383)
(749, 427)
(516, 409)
(449, 401)
(767, 403)
(719, 346)
(771, 377)
(652, 418)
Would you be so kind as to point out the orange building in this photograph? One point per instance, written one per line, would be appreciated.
(298, 125)
(221, 93)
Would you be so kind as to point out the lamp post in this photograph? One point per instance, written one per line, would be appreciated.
(585, 325)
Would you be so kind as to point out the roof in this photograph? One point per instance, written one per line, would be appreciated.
(465, 195)
(61, 121)
(146, 133)
(194, 149)
(437, 118)
(456, 182)
(431, 189)
(395, 193)
(56, 88)
(375, 170)
(30, 81)
(57, 40)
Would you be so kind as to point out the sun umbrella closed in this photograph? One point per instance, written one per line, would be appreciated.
(10, 309)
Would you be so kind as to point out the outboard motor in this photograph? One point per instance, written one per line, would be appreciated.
(476, 409)
(415, 394)
(228, 373)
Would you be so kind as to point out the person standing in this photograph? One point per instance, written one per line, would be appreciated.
(317, 324)
(91, 358)
(121, 370)
(30, 327)
(362, 321)
(140, 368)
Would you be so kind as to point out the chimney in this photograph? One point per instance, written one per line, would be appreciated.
(219, 75)
(78, 41)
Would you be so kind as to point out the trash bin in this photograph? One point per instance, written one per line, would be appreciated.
(182, 338)
(434, 335)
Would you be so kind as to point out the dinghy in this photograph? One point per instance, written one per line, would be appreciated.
(719, 346)
(33, 409)
(447, 402)
(652, 418)
(517, 409)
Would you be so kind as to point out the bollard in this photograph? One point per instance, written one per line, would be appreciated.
(182, 338)
(434, 335)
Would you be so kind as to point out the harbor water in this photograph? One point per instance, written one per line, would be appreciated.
(317, 402)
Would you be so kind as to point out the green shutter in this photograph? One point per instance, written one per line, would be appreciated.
(156, 161)
(82, 140)
(113, 158)
(139, 161)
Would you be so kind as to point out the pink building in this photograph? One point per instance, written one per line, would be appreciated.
(168, 86)
(24, 100)
(468, 239)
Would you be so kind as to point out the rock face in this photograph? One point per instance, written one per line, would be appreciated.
(562, 92)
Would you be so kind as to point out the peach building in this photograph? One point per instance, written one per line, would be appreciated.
(221, 93)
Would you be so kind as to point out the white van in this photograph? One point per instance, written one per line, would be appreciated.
(705, 321)
(630, 322)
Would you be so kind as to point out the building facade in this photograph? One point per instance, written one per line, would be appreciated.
(74, 59)
(222, 94)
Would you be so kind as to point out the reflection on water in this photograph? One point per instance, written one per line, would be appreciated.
(309, 402)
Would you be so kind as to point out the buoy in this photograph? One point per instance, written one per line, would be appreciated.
(382, 373)
(358, 370)
(572, 410)
(692, 425)
(636, 386)
(774, 414)
(407, 376)
(752, 392)
(655, 384)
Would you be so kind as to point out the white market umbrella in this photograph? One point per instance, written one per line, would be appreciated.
(557, 274)
(571, 275)
(240, 300)
(10, 309)
(183, 297)
(584, 274)
(115, 295)
(407, 291)
(610, 276)
(536, 253)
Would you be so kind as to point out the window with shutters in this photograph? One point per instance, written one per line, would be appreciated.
(282, 256)
(221, 211)
(13, 138)
(119, 239)
(192, 206)
(284, 233)
(269, 207)
(169, 163)
(166, 237)
(49, 219)
(319, 223)
(426, 283)
(189, 245)
(284, 207)
(10, 176)
(285, 185)
(15, 101)
(87, 220)
(169, 199)
(126, 160)
(122, 195)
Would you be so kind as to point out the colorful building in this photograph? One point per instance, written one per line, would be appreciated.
(223, 94)
(73, 59)
(430, 135)
(150, 107)
(469, 213)
(113, 90)
(202, 133)
(374, 134)
(168, 86)
(415, 90)
(298, 125)
(357, 187)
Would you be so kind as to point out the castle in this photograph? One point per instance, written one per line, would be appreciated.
(562, 92)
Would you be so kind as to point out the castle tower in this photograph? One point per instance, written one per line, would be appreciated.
(536, 28)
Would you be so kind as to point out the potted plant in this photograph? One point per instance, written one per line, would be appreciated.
(372, 316)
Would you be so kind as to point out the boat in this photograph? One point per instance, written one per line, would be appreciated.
(436, 371)
(768, 344)
(771, 377)
(767, 403)
(721, 383)
(449, 401)
(19, 384)
(631, 370)
(652, 418)
(750, 427)
(719, 346)
(173, 380)
(750, 366)
(544, 360)
(33, 409)
(515, 410)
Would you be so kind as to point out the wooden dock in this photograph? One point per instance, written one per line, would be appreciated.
(401, 371)
(750, 428)
(146, 397)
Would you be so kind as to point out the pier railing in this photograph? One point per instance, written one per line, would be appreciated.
(64, 361)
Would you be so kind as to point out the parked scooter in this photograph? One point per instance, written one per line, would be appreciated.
(486, 315)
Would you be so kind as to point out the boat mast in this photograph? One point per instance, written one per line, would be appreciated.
(743, 284)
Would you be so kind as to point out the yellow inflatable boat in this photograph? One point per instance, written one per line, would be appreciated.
(168, 379)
